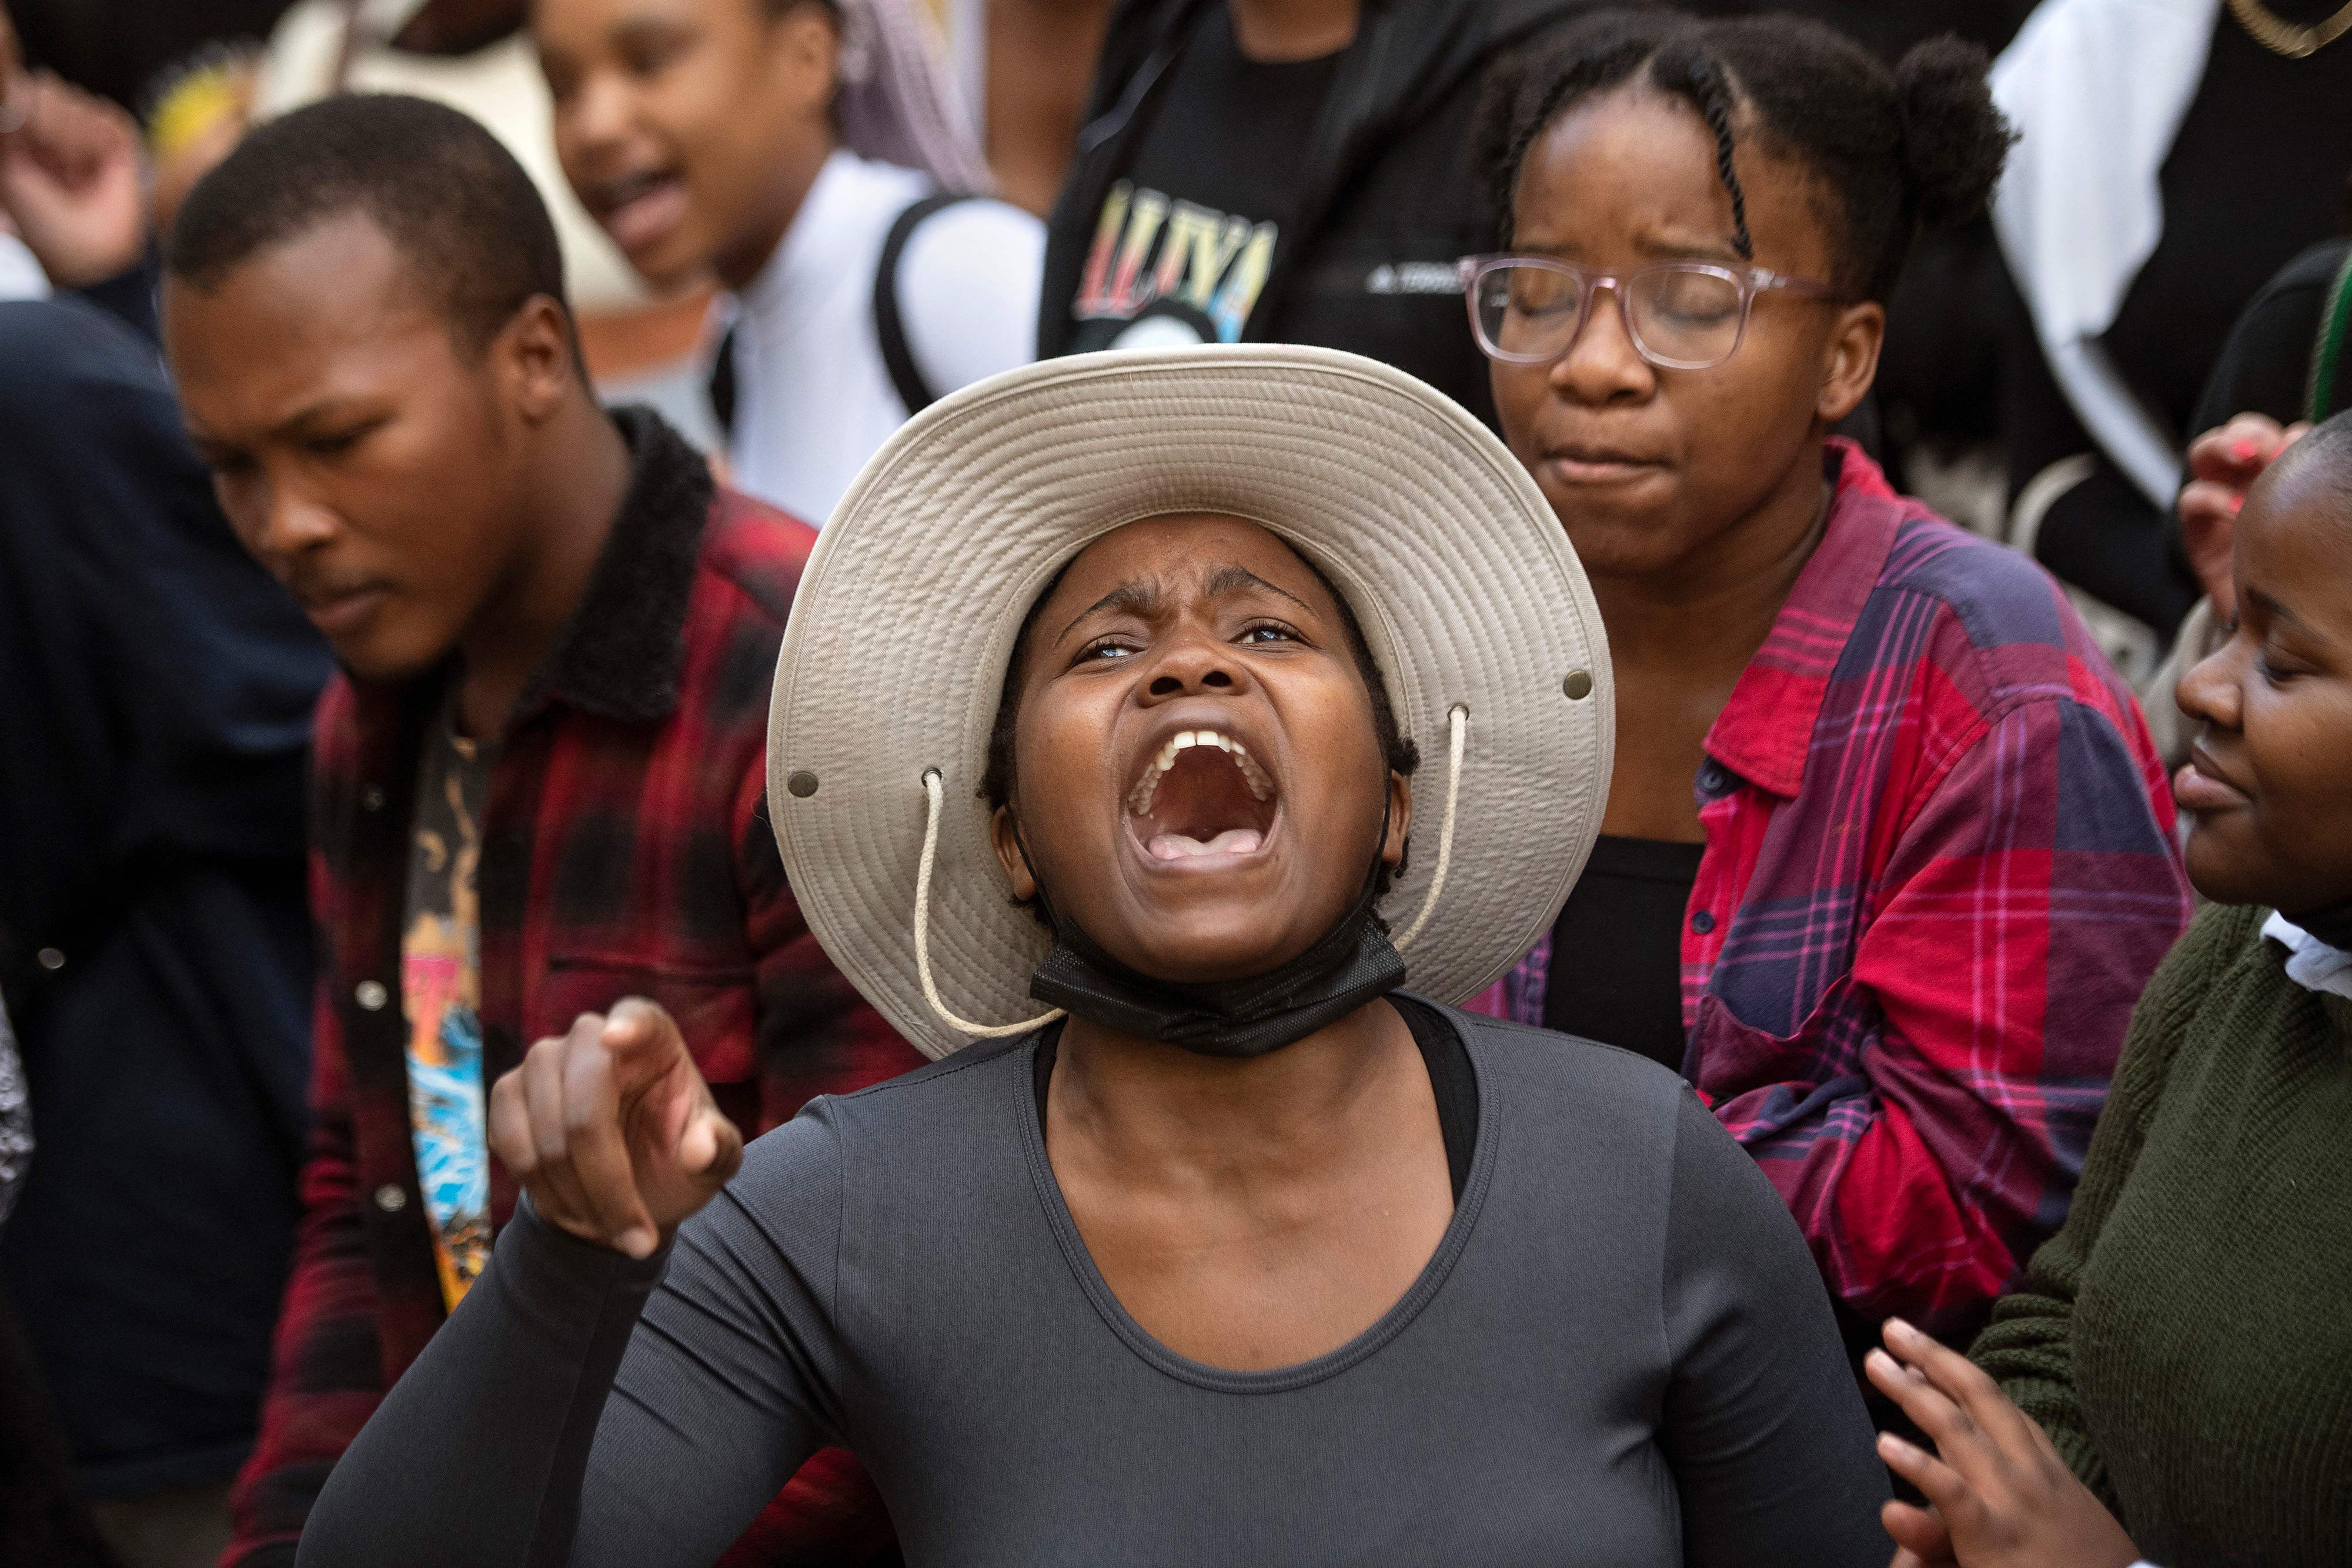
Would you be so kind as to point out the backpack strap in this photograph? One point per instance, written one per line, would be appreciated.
(721, 383)
(889, 323)
(2331, 378)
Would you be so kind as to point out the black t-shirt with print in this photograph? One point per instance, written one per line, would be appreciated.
(1183, 244)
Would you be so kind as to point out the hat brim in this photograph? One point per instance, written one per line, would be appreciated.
(894, 658)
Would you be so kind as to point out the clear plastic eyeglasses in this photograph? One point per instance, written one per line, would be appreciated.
(1680, 315)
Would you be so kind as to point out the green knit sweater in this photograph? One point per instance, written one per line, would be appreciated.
(2185, 1339)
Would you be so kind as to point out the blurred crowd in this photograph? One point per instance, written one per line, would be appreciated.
(416, 417)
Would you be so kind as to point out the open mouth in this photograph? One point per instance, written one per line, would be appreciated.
(638, 209)
(1202, 795)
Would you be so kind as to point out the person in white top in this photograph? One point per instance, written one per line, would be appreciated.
(323, 47)
(807, 152)
(20, 275)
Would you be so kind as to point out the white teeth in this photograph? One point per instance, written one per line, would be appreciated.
(1138, 799)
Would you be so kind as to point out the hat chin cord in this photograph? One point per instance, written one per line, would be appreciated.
(1457, 740)
(935, 792)
(1457, 724)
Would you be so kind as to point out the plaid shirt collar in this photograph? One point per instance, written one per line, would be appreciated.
(621, 654)
(1766, 729)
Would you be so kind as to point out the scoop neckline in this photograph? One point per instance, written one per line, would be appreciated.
(1278, 1379)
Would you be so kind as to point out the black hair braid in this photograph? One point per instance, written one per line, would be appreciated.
(1887, 154)
(1534, 89)
(1687, 70)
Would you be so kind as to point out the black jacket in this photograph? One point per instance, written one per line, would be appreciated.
(155, 689)
(1390, 196)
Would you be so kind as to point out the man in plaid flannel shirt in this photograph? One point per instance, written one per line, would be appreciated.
(545, 751)
(1939, 869)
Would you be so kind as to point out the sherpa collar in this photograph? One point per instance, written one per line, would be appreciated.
(621, 654)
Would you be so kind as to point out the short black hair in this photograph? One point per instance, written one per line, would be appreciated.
(2327, 449)
(1397, 748)
(2329, 441)
(1900, 151)
(441, 187)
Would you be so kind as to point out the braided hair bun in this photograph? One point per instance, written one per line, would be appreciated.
(1899, 151)
(1954, 140)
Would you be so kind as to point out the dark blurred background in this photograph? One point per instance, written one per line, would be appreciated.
(116, 47)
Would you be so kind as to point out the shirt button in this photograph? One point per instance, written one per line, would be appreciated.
(372, 798)
(390, 1198)
(1703, 923)
(371, 995)
(50, 959)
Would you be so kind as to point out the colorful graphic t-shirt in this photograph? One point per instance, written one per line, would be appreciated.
(441, 991)
(1183, 245)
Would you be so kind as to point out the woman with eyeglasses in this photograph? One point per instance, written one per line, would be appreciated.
(1887, 855)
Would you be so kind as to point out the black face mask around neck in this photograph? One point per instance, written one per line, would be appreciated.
(2331, 922)
(1351, 964)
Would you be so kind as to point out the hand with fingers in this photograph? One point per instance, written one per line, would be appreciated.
(2002, 1497)
(73, 179)
(2223, 464)
(613, 1130)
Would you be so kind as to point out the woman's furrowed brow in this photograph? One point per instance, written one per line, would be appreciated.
(1233, 578)
(1144, 599)
(1650, 245)
(1687, 245)
(1141, 598)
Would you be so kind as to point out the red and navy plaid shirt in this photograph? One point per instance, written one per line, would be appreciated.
(1939, 869)
(625, 851)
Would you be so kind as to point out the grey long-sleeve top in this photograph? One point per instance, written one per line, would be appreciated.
(1620, 1354)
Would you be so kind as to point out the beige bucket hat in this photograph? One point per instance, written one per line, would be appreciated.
(887, 689)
